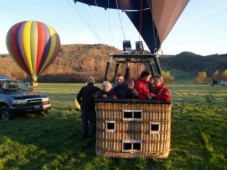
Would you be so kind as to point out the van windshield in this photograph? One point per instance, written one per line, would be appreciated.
(14, 86)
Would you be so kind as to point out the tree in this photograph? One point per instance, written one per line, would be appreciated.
(215, 75)
(167, 76)
(198, 80)
(224, 75)
(209, 80)
(202, 76)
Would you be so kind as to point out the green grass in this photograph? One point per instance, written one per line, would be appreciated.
(198, 134)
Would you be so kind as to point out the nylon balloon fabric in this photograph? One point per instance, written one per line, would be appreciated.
(153, 19)
(33, 45)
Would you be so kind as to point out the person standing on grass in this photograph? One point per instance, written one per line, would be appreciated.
(85, 98)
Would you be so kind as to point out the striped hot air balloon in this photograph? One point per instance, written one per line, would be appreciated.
(33, 45)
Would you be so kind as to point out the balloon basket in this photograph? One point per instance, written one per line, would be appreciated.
(34, 83)
(130, 128)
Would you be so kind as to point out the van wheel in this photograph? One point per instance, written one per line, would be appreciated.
(6, 113)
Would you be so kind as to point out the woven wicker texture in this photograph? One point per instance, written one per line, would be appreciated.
(129, 130)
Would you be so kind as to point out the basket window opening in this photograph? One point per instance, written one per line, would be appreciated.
(137, 115)
(137, 146)
(110, 126)
(127, 115)
(131, 145)
(131, 115)
(154, 127)
(127, 146)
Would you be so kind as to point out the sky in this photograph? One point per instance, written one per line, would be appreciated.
(201, 28)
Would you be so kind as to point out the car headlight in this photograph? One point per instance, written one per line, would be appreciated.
(45, 101)
(21, 101)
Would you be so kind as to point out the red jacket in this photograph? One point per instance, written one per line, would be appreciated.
(142, 89)
(161, 93)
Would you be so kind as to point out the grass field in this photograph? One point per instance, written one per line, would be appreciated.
(198, 135)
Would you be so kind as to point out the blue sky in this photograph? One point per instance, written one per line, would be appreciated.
(201, 29)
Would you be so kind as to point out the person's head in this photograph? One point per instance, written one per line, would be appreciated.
(91, 80)
(145, 75)
(152, 81)
(106, 85)
(119, 79)
(158, 81)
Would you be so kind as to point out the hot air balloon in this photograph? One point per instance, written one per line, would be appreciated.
(33, 45)
(153, 19)
(129, 128)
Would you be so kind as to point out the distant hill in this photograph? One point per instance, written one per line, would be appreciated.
(193, 63)
(74, 64)
(77, 61)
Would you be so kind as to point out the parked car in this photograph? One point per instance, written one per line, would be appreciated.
(17, 98)
(223, 83)
(218, 82)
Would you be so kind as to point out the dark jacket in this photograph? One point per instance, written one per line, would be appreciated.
(85, 97)
(102, 94)
(123, 91)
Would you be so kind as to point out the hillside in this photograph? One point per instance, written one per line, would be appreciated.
(73, 64)
(76, 62)
(192, 63)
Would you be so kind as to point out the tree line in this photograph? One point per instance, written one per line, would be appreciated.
(204, 78)
(77, 61)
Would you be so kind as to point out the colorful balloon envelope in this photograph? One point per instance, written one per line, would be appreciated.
(33, 45)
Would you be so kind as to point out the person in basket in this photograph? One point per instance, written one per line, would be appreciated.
(106, 91)
(159, 91)
(141, 85)
(122, 89)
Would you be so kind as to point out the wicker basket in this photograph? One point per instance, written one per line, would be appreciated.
(133, 128)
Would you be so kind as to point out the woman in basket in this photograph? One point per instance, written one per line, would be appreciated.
(106, 91)
(159, 91)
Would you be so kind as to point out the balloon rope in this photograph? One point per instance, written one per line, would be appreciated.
(95, 3)
(154, 32)
(109, 26)
(85, 19)
(99, 25)
(141, 20)
(120, 19)
(141, 17)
